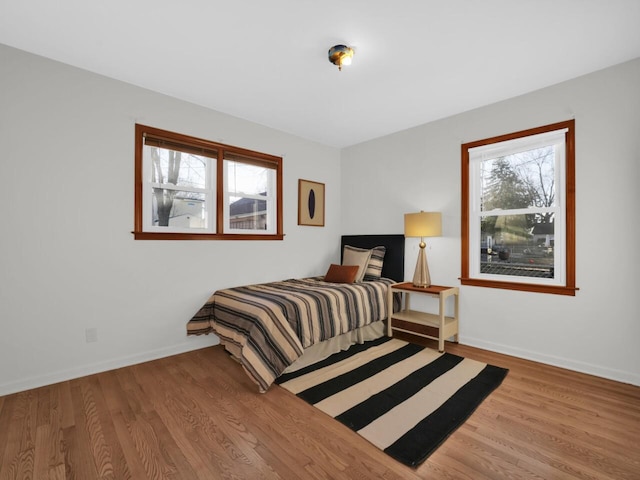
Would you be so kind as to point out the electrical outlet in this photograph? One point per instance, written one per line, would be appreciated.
(91, 334)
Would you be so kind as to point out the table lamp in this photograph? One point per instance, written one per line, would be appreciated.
(423, 224)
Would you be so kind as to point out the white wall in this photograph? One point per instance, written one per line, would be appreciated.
(68, 261)
(598, 330)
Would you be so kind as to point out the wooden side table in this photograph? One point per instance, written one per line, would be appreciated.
(433, 326)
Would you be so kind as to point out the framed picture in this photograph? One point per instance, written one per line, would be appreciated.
(310, 203)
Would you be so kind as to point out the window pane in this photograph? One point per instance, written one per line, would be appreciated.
(176, 208)
(250, 197)
(247, 214)
(516, 245)
(247, 179)
(520, 180)
(177, 168)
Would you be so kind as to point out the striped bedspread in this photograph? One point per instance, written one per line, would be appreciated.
(266, 327)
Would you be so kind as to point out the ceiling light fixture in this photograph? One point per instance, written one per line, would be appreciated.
(340, 55)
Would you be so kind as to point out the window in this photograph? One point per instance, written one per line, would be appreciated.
(188, 188)
(518, 211)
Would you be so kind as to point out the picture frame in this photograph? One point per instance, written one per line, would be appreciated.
(310, 203)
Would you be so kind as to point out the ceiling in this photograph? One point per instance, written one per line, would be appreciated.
(266, 61)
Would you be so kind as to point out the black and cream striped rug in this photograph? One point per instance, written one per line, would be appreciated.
(405, 399)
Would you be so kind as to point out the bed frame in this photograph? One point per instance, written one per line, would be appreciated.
(393, 266)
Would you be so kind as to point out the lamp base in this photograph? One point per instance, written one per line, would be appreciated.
(421, 277)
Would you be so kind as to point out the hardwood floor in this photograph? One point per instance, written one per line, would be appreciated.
(197, 416)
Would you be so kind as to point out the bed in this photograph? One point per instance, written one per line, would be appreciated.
(279, 327)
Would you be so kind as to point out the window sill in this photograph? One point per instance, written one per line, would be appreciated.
(203, 236)
(524, 287)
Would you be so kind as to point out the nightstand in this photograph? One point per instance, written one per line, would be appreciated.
(428, 325)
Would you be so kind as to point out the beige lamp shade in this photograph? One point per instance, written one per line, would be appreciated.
(423, 224)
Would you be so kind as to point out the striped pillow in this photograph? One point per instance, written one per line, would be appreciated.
(373, 270)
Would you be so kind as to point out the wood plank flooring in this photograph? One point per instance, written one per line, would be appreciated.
(197, 416)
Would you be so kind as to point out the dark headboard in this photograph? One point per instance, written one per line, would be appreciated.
(393, 266)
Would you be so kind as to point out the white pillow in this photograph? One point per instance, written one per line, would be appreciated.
(356, 256)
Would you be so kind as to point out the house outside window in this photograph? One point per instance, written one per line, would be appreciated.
(518, 210)
(189, 188)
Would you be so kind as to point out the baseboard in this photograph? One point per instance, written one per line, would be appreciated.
(582, 367)
(64, 375)
(210, 340)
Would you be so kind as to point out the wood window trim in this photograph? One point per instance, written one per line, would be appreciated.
(569, 288)
(207, 147)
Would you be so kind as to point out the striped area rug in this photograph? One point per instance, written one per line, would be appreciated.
(404, 398)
